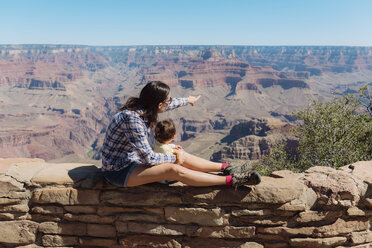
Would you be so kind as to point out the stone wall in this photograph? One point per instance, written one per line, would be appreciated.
(70, 205)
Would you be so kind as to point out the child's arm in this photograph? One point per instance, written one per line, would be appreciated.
(175, 147)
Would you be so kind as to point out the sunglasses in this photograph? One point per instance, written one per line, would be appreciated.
(168, 101)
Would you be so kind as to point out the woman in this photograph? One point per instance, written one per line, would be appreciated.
(128, 158)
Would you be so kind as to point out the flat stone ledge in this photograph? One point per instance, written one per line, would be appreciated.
(5, 163)
(42, 174)
(295, 190)
(70, 204)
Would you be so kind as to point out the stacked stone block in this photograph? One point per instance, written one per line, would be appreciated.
(70, 205)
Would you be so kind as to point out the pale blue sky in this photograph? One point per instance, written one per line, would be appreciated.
(187, 22)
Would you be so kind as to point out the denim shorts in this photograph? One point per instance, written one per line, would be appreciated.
(120, 177)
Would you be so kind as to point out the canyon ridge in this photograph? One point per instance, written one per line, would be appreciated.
(57, 100)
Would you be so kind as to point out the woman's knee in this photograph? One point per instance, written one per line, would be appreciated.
(175, 170)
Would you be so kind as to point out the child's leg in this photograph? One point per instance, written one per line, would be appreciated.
(144, 174)
(200, 164)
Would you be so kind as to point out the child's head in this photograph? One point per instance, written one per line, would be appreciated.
(165, 131)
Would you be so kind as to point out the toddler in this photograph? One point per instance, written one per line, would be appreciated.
(165, 131)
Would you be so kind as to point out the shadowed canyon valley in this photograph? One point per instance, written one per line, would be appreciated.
(57, 100)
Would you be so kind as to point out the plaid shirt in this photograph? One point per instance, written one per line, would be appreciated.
(129, 141)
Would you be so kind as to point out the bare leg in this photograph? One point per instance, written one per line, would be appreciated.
(143, 174)
(200, 164)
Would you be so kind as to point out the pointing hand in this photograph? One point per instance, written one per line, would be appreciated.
(193, 99)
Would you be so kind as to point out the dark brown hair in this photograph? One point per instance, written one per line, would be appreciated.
(164, 130)
(151, 95)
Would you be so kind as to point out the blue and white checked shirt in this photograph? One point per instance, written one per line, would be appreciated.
(129, 141)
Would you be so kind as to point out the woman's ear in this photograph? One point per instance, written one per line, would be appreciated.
(160, 106)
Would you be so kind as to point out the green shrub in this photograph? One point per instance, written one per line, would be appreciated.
(331, 134)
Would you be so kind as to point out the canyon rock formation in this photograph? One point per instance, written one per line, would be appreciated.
(254, 139)
(56, 100)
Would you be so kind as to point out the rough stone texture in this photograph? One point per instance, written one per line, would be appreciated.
(18, 232)
(6, 216)
(286, 231)
(140, 217)
(143, 199)
(106, 210)
(354, 211)
(252, 220)
(81, 209)
(26, 194)
(200, 216)
(226, 232)
(219, 243)
(357, 246)
(89, 218)
(4, 201)
(149, 241)
(44, 218)
(361, 170)
(309, 242)
(342, 227)
(22, 208)
(368, 203)
(361, 237)
(322, 207)
(66, 196)
(279, 190)
(121, 227)
(269, 238)
(24, 172)
(245, 212)
(275, 245)
(305, 201)
(50, 210)
(29, 246)
(100, 242)
(316, 216)
(334, 187)
(103, 231)
(9, 184)
(55, 240)
(285, 174)
(270, 190)
(159, 229)
(63, 228)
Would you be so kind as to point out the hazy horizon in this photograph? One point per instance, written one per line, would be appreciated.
(182, 45)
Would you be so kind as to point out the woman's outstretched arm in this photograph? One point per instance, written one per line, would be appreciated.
(178, 102)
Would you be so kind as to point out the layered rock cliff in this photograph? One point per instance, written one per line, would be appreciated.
(254, 139)
(57, 100)
(70, 205)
